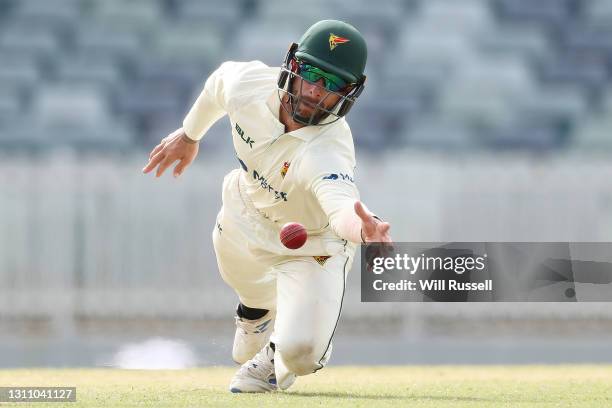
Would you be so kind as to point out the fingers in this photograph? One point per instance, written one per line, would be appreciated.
(178, 170)
(380, 234)
(368, 225)
(154, 161)
(383, 230)
(384, 227)
(361, 212)
(168, 151)
(163, 143)
(164, 165)
(157, 149)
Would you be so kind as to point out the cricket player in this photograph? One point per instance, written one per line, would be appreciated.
(296, 163)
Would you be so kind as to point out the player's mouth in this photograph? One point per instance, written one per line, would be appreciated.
(308, 103)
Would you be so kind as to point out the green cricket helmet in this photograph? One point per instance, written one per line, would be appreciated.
(332, 50)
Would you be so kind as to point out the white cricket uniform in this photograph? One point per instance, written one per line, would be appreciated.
(303, 176)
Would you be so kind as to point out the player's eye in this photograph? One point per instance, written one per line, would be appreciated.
(312, 74)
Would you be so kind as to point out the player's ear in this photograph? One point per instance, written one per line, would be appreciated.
(348, 89)
(354, 93)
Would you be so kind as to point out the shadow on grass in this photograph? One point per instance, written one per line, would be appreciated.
(388, 396)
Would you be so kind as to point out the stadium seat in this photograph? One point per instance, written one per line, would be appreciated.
(593, 133)
(537, 136)
(115, 135)
(464, 15)
(598, 11)
(485, 90)
(555, 103)
(51, 13)
(584, 38)
(107, 41)
(590, 71)
(526, 42)
(188, 43)
(138, 14)
(220, 13)
(145, 98)
(546, 13)
(419, 70)
(26, 40)
(431, 45)
(377, 117)
(13, 133)
(55, 105)
(10, 103)
(432, 133)
(606, 101)
(385, 14)
(258, 42)
(285, 11)
(88, 68)
(184, 77)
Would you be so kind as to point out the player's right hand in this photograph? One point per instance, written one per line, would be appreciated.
(175, 146)
(372, 229)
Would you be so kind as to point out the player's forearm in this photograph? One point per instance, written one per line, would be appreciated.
(202, 115)
(337, 199)
(210, 106)
(347, 224)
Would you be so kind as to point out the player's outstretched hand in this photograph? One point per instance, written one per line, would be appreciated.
(175, 146)
(373, 230)
(375, 233)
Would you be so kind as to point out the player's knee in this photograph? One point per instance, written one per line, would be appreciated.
(300, 357)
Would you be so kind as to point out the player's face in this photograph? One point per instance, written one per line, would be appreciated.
(310, 94)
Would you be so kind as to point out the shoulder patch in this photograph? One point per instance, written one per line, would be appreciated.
(338, 176)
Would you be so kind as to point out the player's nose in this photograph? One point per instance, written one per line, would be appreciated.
(315, 90)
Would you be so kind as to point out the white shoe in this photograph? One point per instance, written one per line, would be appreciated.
(251, 336)
(257, 374)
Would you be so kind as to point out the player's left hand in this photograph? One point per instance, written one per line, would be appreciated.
(373, 230)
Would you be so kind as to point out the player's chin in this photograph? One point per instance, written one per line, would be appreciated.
(303, 113)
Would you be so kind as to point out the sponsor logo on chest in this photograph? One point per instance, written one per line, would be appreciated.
(267, 186)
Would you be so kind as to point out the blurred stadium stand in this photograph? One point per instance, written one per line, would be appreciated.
(443, 74)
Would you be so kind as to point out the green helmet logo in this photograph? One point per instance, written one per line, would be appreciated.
(334, 40)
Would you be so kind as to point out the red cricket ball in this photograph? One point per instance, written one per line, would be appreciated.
(293, 235)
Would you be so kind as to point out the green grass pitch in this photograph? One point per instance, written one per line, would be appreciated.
(341, 386)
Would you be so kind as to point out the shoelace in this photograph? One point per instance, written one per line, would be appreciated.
(250, 327)
(259, 366)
